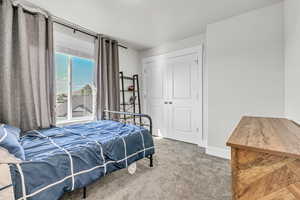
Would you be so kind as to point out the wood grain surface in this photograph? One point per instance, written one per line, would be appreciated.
(262, 176)
(265, 159)
(270, 135)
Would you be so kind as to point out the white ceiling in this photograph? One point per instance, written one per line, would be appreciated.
(148, 23)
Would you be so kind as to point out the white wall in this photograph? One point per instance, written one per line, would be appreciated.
(245, 61)
(173, 46)
(243, 71)
(292, 59)
(129, 61)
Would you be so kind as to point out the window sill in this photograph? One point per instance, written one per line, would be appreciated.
(75, 121)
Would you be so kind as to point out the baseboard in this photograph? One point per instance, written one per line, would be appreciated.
(203, 144)
(218, 152)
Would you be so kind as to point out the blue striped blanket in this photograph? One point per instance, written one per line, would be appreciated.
(63, 159)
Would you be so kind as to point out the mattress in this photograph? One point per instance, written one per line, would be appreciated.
(63, 159)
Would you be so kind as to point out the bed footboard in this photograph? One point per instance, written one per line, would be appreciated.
(115, 115)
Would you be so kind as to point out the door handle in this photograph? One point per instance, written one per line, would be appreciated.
(166, 102)
(170, 102)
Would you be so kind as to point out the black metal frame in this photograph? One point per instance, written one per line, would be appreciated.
(136, 79)
(123, 93)
(78, 28)
(136, 95)
(5, 187)
(115, 115)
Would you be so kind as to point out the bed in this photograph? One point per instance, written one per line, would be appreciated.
(62, 159)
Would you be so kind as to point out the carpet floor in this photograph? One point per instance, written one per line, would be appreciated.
(181, 172)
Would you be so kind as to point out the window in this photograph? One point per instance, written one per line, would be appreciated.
(74, 63)
(74, 87)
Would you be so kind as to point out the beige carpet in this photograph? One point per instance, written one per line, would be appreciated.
(181, 172)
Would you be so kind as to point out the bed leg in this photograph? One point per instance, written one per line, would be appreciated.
(151, 161)
(84, 193)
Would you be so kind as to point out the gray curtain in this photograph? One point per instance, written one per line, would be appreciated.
(107, 79)
(26, 65)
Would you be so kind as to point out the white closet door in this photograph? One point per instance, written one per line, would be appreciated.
(173, 94)
(155, 86)
(185, 100)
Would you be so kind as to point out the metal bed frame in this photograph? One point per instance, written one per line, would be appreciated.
(115, 116)
(5, 187)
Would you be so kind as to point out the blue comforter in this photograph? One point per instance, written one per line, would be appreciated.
(59, 160)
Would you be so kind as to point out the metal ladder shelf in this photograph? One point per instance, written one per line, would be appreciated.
(135, 105)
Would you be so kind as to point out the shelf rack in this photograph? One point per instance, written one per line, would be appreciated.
(135, 95)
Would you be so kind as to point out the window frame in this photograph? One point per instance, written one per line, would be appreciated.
(70, 119)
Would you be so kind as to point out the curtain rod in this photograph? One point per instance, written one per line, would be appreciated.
(58, 20)
(79, 28)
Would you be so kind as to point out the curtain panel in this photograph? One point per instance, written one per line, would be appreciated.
(26, 66)
(107, 79)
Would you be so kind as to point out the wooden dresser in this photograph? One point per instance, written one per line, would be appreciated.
(265, 159)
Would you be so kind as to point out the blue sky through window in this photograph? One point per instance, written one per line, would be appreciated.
(61, 69)
(82, 72)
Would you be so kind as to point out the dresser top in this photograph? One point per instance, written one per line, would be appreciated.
(270, 135)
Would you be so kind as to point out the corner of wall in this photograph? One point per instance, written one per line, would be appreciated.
(218, 152)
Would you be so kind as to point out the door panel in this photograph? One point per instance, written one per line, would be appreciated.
(181, 81)
(156, 82)
(173, 87)
(186, 109)
(182, 118)
(157, 119)
(155, 95)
